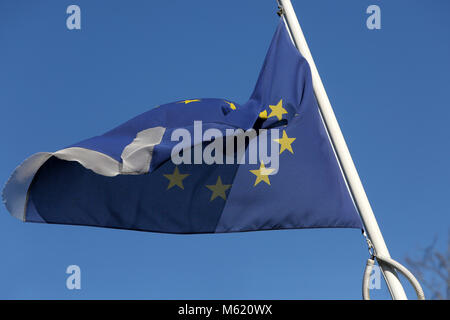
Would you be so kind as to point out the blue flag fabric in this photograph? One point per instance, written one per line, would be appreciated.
(127, 178)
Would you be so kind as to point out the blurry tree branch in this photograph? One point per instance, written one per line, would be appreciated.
(433, 269)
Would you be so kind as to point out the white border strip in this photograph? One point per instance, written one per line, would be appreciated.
(136, 159)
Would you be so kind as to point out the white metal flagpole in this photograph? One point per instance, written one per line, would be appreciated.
(343, 154)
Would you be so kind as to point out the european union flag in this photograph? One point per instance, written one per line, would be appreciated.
(200, 165)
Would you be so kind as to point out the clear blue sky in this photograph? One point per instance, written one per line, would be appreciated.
(389, 89)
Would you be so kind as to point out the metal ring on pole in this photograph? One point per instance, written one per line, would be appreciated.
(400, 268)
(280, 11)
(366, 278)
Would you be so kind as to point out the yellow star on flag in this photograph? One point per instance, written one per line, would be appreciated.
(263, 114)
(277, 110)
(176, 179)
(232, 106)
(262, 174)
(285, 142)
(218, 189)
(189, 101)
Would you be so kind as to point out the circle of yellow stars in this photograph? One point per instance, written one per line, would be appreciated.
(262, 173)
